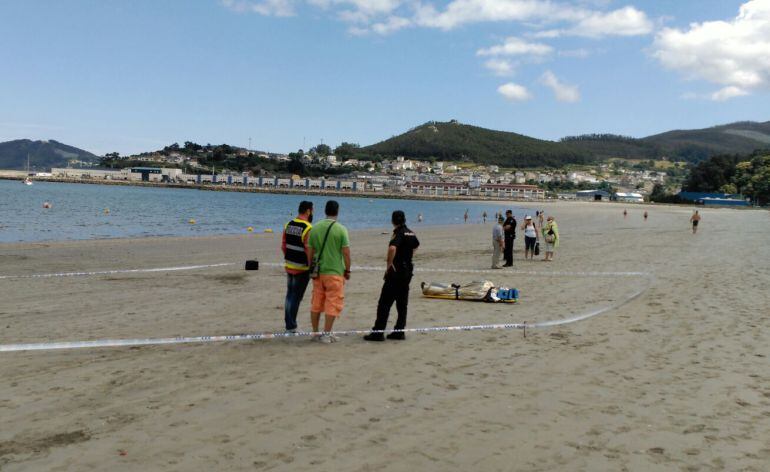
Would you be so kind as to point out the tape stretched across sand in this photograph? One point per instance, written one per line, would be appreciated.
(264, 336)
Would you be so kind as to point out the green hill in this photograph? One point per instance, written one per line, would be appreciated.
(453, 141)
(457, 142)
(42, 154)
(698, 144)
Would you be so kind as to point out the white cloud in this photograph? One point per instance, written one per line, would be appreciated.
(726, 93)
(263, 7)
(580, 53)
(516, 47)
(563, 92)
(734, 54)
(501, 67)
(514, 92)
(626, 21)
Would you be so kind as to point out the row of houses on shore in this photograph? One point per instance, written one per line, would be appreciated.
(360, 183)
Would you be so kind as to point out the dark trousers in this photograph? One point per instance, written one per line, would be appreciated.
(295, 290)
(395, 289)
(508, 252)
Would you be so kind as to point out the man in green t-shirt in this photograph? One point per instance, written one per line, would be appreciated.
(333, 259)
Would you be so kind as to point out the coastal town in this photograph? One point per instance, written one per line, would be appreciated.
(399, 176)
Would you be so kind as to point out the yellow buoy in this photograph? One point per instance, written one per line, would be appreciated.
(268, 230)
(192, 221)
(249, 229)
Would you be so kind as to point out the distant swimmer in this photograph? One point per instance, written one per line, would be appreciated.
(47, 205)
(694, 219)
(419, 217)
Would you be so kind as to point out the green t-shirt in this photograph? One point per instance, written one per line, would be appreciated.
(331, 261)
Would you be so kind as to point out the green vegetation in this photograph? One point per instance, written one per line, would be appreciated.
(746, 175)
(457, 142)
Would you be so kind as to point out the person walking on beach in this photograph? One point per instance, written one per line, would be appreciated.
(498, 243)
(695, 219)
(551, 237)
(530, 237)
(398, 275)
(296, 262)
(509, 226)
(329, 249)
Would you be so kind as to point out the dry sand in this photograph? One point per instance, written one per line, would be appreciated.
(678, 379)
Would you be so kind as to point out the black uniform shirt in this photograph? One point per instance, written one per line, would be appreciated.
(405, 242)
(512, 231)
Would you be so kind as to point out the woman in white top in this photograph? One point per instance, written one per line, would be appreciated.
(530, 237)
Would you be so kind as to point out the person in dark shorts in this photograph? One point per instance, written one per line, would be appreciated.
(530, 237)
(695, 219)
(398, 275)
(509, 226)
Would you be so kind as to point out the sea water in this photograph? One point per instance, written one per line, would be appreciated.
(89, 211)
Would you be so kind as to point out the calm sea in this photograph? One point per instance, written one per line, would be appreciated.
(78, 211)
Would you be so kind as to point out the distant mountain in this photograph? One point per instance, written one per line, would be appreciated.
(698, 144)
(42, 154)
(457, 142)
(690, 145)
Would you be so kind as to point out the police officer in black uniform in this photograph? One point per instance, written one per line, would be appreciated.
(509, 227)
(398, 275)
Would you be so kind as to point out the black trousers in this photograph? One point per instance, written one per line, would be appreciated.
(508, 252)
(395, 289)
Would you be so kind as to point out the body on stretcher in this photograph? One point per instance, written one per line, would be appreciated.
(478, 290)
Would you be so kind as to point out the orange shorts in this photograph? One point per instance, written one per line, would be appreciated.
(328, 295)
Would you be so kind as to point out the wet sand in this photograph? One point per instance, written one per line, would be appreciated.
(678, 379)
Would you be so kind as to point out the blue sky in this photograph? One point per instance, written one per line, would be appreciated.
(111, 75)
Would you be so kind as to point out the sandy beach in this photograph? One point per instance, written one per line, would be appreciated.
(677, 379)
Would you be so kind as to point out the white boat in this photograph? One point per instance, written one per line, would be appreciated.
(27, 180)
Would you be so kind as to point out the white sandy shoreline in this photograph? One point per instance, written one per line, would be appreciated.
(676, 379)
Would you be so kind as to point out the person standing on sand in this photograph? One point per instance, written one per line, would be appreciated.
(498, 243)
(296, 262)
(551, 237)
(398, 275)
(530, 237)
(540, 217)
(329, 248)
(695, 219)
(509, 226)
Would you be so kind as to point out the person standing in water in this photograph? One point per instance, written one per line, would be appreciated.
(484, 216)
(466, 216)
(419, 217)
(695, 219)
(645, 215)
